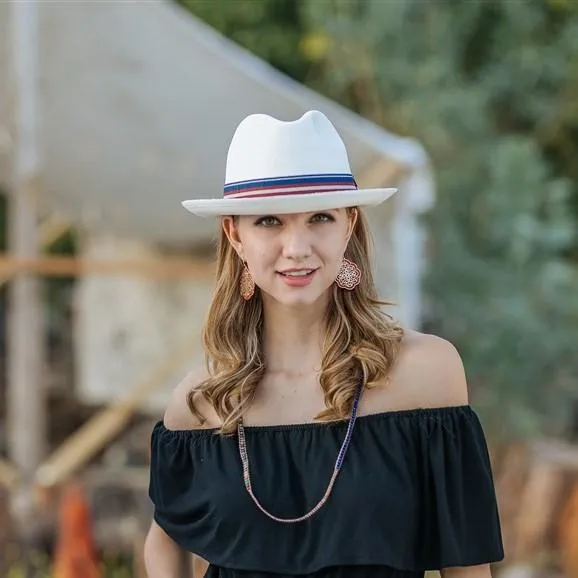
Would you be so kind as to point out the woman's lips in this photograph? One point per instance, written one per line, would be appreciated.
(297, 277)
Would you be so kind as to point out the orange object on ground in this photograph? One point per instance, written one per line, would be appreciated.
(75, 555)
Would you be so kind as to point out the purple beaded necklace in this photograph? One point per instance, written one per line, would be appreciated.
(336, 468)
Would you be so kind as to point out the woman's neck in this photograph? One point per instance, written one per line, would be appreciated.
(292, 339)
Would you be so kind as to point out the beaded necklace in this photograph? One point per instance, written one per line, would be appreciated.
(336, 468)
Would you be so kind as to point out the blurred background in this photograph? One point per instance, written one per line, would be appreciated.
(111, 112)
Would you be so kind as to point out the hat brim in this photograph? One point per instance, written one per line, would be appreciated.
(288, 203)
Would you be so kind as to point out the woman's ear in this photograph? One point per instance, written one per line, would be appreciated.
(231, 230)
(353, 214)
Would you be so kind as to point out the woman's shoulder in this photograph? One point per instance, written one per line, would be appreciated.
(431, 368)
(178, 415)
(427, 373)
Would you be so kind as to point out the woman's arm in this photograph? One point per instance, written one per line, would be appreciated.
(435, 376)
(481, 571)
(162, 557)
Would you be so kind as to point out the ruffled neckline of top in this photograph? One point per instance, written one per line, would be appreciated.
(361, 421)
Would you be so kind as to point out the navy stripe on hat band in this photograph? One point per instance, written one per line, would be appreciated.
(299, 182)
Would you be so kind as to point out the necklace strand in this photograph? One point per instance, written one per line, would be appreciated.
(336, 468)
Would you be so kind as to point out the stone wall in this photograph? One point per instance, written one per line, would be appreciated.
(126, 325)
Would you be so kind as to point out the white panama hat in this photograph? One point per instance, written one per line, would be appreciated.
(276, 167)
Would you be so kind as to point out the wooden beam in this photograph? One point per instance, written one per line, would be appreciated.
(384, 172)
(51, 229)
(102, 428)
(65, 266)
(8, 474)
(131, 477)
(559, 453)
(538, 501)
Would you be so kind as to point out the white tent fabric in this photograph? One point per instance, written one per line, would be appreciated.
(138, 101)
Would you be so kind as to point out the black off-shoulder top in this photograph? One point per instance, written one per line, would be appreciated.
(415, 493)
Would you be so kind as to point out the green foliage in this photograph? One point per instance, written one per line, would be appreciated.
(491, 89)
(270, 29)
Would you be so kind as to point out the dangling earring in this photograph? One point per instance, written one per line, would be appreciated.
(349, 275)
(247, 285)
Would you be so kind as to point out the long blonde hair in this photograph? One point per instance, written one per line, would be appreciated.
(361, 340)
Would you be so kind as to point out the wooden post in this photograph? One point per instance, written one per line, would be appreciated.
(25, 403)
(109, 422)
(66, 266)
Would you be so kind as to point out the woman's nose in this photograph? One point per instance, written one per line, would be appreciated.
(296, 243)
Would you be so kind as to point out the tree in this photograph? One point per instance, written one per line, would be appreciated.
(271, 29)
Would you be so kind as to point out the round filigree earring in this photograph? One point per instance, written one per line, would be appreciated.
(349, 275)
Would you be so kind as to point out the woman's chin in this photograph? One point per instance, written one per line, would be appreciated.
(304, 297)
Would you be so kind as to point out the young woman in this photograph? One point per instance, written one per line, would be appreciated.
(321, 439)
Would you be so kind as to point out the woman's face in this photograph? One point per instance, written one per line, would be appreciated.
(294, 258)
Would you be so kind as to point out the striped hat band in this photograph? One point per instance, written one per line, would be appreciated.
(296, 185)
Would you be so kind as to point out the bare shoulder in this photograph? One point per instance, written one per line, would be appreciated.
(178, 416)
(427, 373)
(430, 368)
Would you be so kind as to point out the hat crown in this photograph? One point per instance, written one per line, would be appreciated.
(264, 147)
(276, 167)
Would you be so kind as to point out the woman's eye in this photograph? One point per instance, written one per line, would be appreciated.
(322, 218)
(267, 221)
(271, 221)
